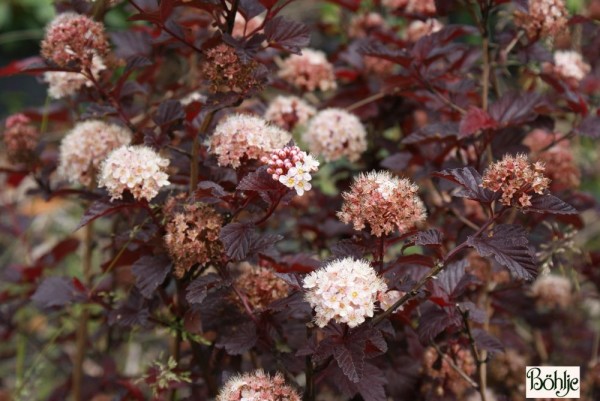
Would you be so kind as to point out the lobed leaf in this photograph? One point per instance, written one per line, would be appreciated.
(150, 272)
(286, 34)
(509, 246)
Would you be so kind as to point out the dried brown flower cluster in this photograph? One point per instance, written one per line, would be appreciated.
(20, 139)
(516, 178)
(226, 72)
(438, 369)
(508, 369)
(561, 167)
(193, 230)
(544, 18)
(382, 201)
(260, 285)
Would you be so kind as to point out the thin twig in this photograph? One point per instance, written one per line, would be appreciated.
(454, 366)
(196, 151)
(479, 357)
(366, 100)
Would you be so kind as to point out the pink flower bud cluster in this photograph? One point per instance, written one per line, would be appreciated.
(383, 202)
(569, 66)
(289, 112)
(241, 136)
(137, 169)
(192, 236)
(309, 71)
(412, 6)
(86, 146)
(257, 386)
(20, 138)
(552, 291)
(418, 29)
(73, 40)
(225, 71)
(362, 25)
(544, 18)
(260, 285)
(444, 373)
(517, 178)
(335, 133)
(62, 84)
(292, 167)
(345, 291)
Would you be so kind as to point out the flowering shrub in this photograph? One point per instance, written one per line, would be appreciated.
(317, 200)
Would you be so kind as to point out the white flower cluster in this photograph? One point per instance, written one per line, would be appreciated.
(83, 149)
(298, 177)
(62, 84)
(345, 290)
(335, 133)
(292, 167)
(570, 64)
(138, 169)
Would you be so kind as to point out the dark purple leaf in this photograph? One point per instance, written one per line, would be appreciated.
(397, 162)
(133, 311)
(237, 238)
(348, 247)
(250, 8)
(548, 203)
(102, 208)
(515, 108)
(433, 132)
(453, 279)
(260, 181)
(428, 237)
(54, 291)
(61, 250)
(434, 320)
(198, 289)
(131, 43)
(590, 127)
(470, 180)
(350, 357)
(474, 121)
(286, 34)
(150, 272)
(486, 341)
(136, 63)
(239, 339)
(168, 112)
(509, 246)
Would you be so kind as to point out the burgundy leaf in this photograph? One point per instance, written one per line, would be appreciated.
(55, 291)
(428, 237)
(397, 162)
(150, 272)
(198, 289)
(237, 238)
(168, 112)
(240, 339)
(433, 133)
(103, 208)
(515, 108)
(509, 246)
(470, 180)
(60, 251)
(548, 203)
(286, 34)
(475, 120)
(350, 357)
(250, 8)
(133, 311)
(453, 279)
(348, 247)
(486, 341)
(434, 320)
(590, 127)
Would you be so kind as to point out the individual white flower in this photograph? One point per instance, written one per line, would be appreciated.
(301, 186)
(300, 172)
(86, 146)
(310, 163)
(345, 290)
(138, 169)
